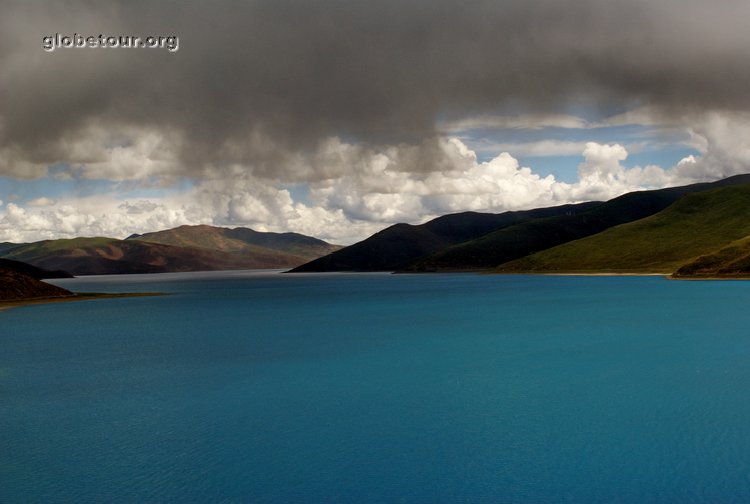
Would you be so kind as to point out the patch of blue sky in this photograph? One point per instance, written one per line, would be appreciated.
(666, 157)
(62, 183)
(563, 168)
(559, 151)
(300, 192)
(21, 191)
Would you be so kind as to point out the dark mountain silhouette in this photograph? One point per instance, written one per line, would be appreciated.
(17, 285)
(401, 244)
(32, 271)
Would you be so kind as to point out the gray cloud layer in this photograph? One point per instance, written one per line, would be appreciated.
(256, 82)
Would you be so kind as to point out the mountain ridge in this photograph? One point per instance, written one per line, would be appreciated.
(103, 255)
(397, 246)
(238, 239)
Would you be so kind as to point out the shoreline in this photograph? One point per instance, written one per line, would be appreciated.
(606, 274)
(707, 278)
(81, 296)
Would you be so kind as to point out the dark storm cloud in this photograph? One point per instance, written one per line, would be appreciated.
(253, 81)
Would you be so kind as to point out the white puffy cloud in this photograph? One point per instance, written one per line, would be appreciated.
(243, 200)
(724, 140)
(602, 161)
(382, 191)
(384, 188)
(601, 176)
(353, 189)
(19, 224)
(722, 137)
(331, 225)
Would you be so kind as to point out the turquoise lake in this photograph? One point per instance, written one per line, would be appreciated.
(266, 387)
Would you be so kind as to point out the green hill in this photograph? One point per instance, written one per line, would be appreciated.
(697, 224)
(732, 261)
(535, 235)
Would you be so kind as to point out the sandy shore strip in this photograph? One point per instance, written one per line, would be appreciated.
(81, 296)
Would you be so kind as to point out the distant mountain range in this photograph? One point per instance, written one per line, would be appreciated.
(699, 230)
(663, 230)
(186, 248)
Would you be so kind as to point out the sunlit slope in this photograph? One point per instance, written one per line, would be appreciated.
(697, 224)
(189, 248)
(243, 240)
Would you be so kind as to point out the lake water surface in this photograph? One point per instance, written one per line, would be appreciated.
(263, 387)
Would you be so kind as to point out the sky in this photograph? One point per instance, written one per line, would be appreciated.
(338, 118)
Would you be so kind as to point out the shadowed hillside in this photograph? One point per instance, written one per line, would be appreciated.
(7, 247)
(32, 271)
(401, 244)
(15, 285)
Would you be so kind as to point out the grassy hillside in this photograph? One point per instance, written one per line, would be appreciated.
(697, 224)
(188, 248)
(207, 237)
(107, 256)
(732, 261)
(52, 246)
(401, 244)
(522, 239)
(245, 240)
(291, 243)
